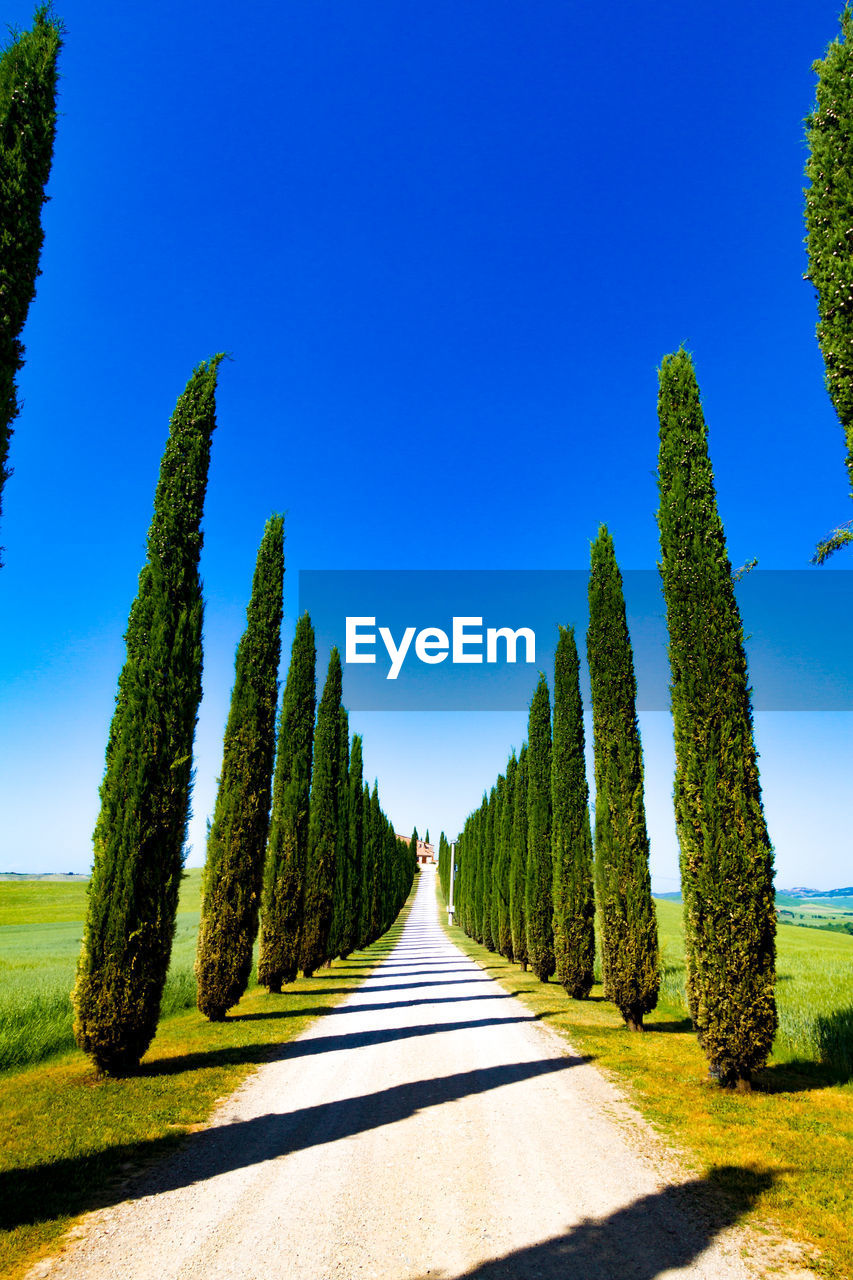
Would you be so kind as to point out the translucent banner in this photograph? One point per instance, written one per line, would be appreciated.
(475, 640)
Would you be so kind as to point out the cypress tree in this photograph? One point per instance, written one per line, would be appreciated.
(28, 76)
(474, 876)
(323, 824)
(283, 891)
(726, 857)
(488, 846)
(355, 845)
(629, 940)
(393, 851)
(365, 905)
(518, 862)
(829, 224)
(501, 936)
(237, 839)
(343, 870)
(571, 841)
(413, 843)
(140, 833)
(376, 854)
(539, 908)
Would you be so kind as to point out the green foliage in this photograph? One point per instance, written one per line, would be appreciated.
(571, 841)
(829, 224)
(538, 905)
(323, 824)
(28, 76)
(355, 848)
(518, 862)
(141, 828)
(501, 932)
(237, 839)
(374, 835)
(726, 857)
(287, 854)
(629, 941)
(343, 868)
(487, 837)
(834, 541)
(366, 898)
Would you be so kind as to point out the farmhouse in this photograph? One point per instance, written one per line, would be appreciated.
(426, 852)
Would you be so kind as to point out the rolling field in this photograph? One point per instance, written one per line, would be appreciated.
(41, 927)
(814, 991)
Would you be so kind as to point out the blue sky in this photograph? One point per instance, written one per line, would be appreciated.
(447, 246)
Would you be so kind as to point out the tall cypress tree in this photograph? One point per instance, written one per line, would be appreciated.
(488, 846)
(829, 219)
(28, 78)
(726, 857)
(539, 904)
(323, 823)
(518, 863)
(343, 871)
(283, 890)
(366, 903)
(376, 836)
(571, 841)
(237, 840)
(629, 940)
(501, 937)
(355, 845)
(140, 833)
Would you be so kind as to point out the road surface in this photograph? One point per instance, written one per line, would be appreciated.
(427, 1127)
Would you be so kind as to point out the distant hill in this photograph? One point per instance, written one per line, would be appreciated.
(43, 875)
(800, 892)
(801, 900)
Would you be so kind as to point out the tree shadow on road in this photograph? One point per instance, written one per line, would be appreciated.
(656, 1234)
(94, 1180)
(311, 1046)
(371, 1006)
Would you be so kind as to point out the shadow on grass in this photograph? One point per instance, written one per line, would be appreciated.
(91, 1181)
(670, 1028)
(654, 1235)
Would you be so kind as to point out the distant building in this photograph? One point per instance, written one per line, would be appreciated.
(426, 852)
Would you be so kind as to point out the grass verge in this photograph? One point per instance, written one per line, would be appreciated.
(69, 1143)
(797, 1126)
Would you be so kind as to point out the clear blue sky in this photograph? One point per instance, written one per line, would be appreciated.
(447, 245)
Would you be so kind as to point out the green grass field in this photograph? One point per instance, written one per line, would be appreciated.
(69, 1141)
(41, 927)
(793, 1134)
(814, 992)
(797, 1127)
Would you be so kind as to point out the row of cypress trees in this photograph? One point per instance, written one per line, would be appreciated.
(324, 873)
(528, 879)
(525, 855)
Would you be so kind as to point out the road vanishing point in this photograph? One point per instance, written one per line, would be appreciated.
(429, 1126)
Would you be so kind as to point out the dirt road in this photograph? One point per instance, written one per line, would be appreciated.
(428, 1127)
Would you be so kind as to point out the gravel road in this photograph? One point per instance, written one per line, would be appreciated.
(427, 1127)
